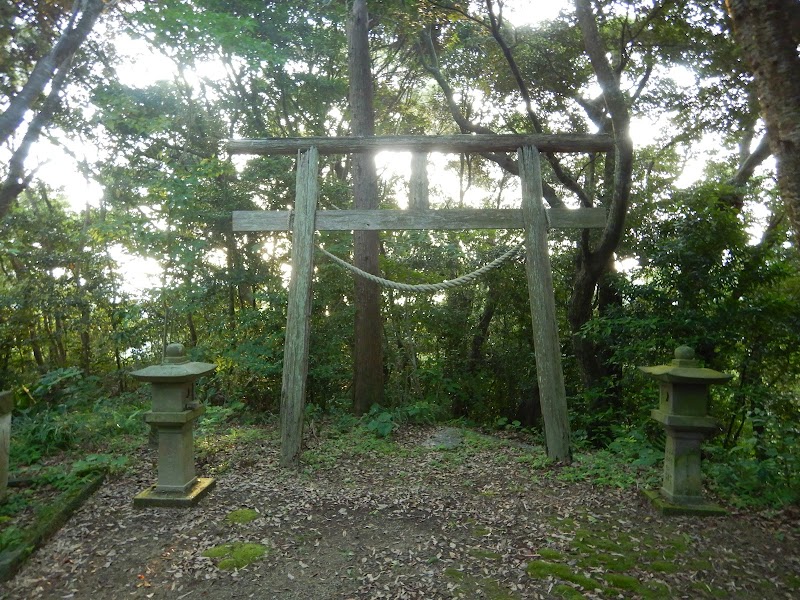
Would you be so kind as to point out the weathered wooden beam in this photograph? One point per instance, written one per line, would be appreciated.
(418, 188)
(546, 346)
(424, 143)
(394, 220)
(298, 318)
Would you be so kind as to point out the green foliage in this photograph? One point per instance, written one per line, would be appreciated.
(109, 463)
(69, 334)
(635, 448)
(55, 385)
(347, 438)
(741, 316)
(631, 460)
(504, 424)
(380, 422)
(216, 417)
(10, 537)
(42, 430)
(45, 493)
(606, 469)
(758, 473)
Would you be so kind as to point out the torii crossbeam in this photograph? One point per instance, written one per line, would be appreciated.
(533, 218)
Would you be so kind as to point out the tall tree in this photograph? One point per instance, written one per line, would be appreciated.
(594, 263)
(50, 70)
(368, 348)
(520, 63)
(768, 32)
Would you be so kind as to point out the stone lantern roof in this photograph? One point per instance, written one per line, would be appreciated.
(175, 368)
(685, 369)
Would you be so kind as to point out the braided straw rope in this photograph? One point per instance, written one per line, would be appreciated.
(427, 287)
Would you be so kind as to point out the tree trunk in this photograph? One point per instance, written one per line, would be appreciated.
(593, 264)
(60, 341)
(482, 329)
(368, 348)
(85, 321)
(36, 348)
(768, 32)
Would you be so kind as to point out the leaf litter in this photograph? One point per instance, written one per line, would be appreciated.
(407, 520)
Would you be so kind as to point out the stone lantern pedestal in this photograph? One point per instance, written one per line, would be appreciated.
(173, 415)
(6, 406)
(683, 412)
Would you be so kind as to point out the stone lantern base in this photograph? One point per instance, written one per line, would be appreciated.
(153, 497)
(667, 508)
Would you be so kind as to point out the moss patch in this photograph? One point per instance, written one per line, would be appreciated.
(612, 562)
(662, 566)
(620, 555)
(550, 554)
(542, 569)
(236, 555)
(623, 582)
(710, 590)
(243, 515)
(487, 554)
(700, 564)
(569, 593)
(17, 544)
(488, 588)
(455, 574)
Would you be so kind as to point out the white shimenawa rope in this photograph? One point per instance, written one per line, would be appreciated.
(426, 287)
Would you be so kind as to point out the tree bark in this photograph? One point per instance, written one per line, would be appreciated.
(593, 263)
(64, 49)
(768, 32)
(51, 69)
(368, 348)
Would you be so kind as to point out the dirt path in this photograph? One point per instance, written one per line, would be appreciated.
(475, 522)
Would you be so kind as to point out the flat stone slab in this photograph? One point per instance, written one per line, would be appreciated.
(150, 497)
(446, 438)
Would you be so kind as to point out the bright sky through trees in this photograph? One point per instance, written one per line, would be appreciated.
(143, 65)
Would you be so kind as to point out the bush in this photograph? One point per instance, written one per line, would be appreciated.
(42, 430)
(756, 474)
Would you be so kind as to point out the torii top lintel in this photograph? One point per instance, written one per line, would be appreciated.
(425, 143)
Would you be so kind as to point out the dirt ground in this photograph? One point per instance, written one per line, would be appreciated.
(480, 521)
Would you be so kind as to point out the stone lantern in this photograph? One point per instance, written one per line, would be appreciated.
(683, 412)
(173, 414)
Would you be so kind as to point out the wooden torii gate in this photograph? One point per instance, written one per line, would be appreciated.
(532, 217)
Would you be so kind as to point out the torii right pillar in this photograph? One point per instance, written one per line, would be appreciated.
(683, 412)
